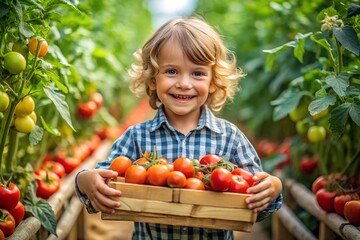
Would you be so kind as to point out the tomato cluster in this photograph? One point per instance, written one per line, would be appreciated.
(25, 117)
(339, 194)
(12, 210)
(88, 109)
(210, 173)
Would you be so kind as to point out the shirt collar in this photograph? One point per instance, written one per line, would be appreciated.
(207, 119)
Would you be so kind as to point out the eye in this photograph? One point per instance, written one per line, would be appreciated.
(171, 71)
(198, 74)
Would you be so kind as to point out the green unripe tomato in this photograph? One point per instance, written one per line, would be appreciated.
(302, 126)
(300, 112)
(321, 114)
(14, 62)
(24, 124)
(25, 107)
(4, 101)
(316, 134)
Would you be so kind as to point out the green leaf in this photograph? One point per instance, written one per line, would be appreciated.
(286, 102)
(299, 50)
(339, 84)
(23, 28)
(40, 209)
(347, 36)
(319, 39)
(338, 119)
(49, 129)
(36, 135)
(353, 10)
(321, 104)
(58, 99)
(355, 113)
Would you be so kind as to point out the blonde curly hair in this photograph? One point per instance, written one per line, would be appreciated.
(202, 45)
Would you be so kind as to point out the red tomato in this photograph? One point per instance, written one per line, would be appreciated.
(185, 166)
(7, 222)
(194, 183)
(157, 174)
(176, 179)
(48, 183)
(220, 179)
(325, 200)
(209, 161)
(9, 195)
(120, 165)
(248, 176)
(339, 203)
(98, 99)
(2, 236)
(352, 212)
(238, 184)
(318, 184)
(308, 165)
(87, 109)
(69, 163)
(135, 174)
(55, 167)
(18, 212)
(199, 175)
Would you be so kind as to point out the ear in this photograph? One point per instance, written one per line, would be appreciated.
(212, 88)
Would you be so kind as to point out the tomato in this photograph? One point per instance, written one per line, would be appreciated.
(141, 161)
(18, 212)
(199, 175)
(309, 164)
(185, 166)
(351, 212)
(321, 114)
(135, 174)
(21, 48)
(163, 161)
(194, 183)
(157, 175)
(319, 183)
(55, 167)
(300, 112)
(69, 163)
(176, 179)
(2, 236)
(4, 101)
(209, 161)
(325, 200)
(7, 222)
(14, 62)
(120, 165)
(33, 45)
(266, 147)
(302, 126)
(9, 195)
(238, 184)
(220, 179)
(170, 166)
(48, 183)
(246, 175)
(87, 109)
(24, 124)
(25, 107)
(339, 203)
(98, 99)
(316, 134)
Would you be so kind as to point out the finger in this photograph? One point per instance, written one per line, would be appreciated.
(107, 173)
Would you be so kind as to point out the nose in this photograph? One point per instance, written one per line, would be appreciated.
(184, 82)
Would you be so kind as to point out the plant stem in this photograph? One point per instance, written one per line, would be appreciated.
(13, 146)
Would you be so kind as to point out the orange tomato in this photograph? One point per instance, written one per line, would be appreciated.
(185, 166)
(33, 44)
(194, 183)
(120, 165)
(176, 179)
(135, 174)
(157, 175)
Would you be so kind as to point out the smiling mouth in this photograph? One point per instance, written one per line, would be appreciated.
(182, 97)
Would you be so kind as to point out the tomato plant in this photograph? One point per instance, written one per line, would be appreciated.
(325, 199)
(4, 101)
(238, 184)
(120, 164)
(135, 174)
(18, 212)
(351, 212)
(184, 165)
(194, 183)
(48, 183)
(176, 179)
(7, 222)
(9, 195)
(14, 62)
(33, 46)
(220, 179)
(157, 174)
(339, 203)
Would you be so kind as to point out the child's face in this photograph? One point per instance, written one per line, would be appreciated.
(181, 85)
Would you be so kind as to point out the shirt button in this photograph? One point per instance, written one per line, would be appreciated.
(184, 143)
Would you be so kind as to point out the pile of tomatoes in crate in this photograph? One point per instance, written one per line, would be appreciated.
(339, 194)
(211, 172)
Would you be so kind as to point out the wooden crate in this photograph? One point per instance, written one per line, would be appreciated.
(184, 207)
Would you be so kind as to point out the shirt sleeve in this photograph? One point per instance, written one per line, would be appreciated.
(82, 197)
(273, 207)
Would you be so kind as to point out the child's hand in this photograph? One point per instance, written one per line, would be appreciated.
(266, 191)
(93, 184)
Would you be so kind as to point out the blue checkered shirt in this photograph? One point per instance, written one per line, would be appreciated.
(212, 136)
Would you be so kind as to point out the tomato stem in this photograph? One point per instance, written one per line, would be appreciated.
(13, 146)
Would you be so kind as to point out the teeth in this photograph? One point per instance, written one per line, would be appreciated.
(182, 96)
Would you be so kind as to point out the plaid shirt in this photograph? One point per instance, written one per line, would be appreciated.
(212, 136)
